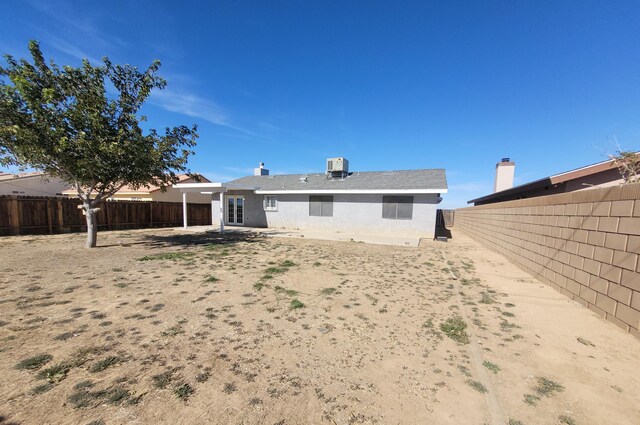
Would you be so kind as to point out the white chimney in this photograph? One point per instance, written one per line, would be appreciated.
(260, 171)
(505, 170)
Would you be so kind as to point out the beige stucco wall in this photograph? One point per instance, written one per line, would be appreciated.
(585, 244)
(33, 186)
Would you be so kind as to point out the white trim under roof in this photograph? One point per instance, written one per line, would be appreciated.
(360, 191)
(197, 187)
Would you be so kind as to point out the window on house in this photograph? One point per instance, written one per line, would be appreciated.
(397, 207)
(321, 206)
(270, 203)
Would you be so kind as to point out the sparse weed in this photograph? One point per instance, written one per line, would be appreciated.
(168, 256)
(487, 299)
(105, 364)
(454, 328)
(163, 379)
(202, 377)
(295, 304)
(281, 290)
(531, 399)
(173, 331)
(477, 386)
(118, 395)
(55, 373)
(464, 370)
(275, 270)
(43, 388)
(491, 366)
(328, 291)
(84, 398)
(567, 420)
(35, 362)
(229, 388)
(183, 391)
(546, 387)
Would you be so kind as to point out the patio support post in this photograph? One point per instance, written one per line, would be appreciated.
(184, 209)
(221, 211)
(213, 212)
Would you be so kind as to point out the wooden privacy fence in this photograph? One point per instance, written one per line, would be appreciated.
(30, 215)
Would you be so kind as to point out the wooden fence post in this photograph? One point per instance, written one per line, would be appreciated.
(107, 216)
(151, 214)
(14, 216)
(49, 221)
(60, 215)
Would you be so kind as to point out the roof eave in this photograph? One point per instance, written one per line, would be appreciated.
(346, 191)
(528, 186)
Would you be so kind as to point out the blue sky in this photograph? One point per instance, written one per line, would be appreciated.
(386, 84)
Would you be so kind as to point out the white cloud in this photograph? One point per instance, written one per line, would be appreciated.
(191, 105)
(72, 50)
(199, 107)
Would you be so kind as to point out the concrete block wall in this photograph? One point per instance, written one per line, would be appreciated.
(584, 244)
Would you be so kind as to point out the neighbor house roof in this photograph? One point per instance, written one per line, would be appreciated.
(555, 179)
(400, 181)
(145, 190)
(29, 174)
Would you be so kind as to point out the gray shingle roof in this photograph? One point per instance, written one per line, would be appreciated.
(402, 180)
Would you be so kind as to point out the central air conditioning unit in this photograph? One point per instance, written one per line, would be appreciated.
(337, 165)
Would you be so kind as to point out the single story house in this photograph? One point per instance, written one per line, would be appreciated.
(400, 202)
(601, 174)
(34, 183)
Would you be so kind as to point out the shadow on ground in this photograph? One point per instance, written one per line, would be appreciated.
(197, 239)
(188, 239)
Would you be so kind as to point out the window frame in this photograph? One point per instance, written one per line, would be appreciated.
(265, 203)
(325, 203)
(391, 204)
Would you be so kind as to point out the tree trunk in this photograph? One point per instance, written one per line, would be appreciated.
(92, 225)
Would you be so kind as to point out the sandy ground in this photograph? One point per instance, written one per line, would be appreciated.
(164, 327)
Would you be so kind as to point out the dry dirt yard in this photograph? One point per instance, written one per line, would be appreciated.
(159, 326)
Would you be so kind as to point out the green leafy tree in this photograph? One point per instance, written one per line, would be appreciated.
(66, 123)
